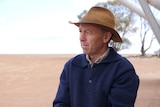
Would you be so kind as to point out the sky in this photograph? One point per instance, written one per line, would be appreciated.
(41, 26)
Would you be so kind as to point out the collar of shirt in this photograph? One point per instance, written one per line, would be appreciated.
(100, 58)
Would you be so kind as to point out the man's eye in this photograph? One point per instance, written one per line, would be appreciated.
(89, 32)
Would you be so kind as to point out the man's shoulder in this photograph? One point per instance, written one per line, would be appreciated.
(79, 60)
(78, 57)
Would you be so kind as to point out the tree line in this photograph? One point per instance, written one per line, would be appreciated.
(126, 27)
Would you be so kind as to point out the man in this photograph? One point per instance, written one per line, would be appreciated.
(99, 77)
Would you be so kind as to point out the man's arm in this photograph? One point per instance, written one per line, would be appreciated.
(124, 89)
(62, 96)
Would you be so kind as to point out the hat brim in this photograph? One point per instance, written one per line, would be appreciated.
(115, 36)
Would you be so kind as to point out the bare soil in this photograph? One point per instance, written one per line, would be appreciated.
(32, 80)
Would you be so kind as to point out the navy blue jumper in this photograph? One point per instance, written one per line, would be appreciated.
(111, 83)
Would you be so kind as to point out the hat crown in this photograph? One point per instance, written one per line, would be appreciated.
(103, 17)
(100, 16)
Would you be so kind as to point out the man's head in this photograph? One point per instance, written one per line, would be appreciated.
(94, 39)
(102, 17)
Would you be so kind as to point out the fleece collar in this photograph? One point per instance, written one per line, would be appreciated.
(80, 60)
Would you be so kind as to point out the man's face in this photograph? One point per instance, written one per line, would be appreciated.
(93, 41)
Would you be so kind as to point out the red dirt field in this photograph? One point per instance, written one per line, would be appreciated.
(32, 80)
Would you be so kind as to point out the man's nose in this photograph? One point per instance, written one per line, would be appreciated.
(82, 37)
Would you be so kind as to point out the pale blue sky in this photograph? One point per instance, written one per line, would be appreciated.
(40, 26)
(36, 26)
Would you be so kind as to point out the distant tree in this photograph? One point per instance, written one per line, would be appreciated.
(144, 30)
(124, 23)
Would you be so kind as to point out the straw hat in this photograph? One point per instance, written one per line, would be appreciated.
(103, 17)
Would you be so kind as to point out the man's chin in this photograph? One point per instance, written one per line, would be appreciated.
(85, 52)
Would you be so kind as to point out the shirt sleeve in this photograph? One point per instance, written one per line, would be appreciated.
(62, 96)
(124, 89)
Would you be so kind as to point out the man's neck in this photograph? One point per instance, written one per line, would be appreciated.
(97, 58)
(94, 58)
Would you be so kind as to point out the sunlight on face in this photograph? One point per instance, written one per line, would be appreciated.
(92, 39)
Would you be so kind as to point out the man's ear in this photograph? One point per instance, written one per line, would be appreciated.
(107, 37)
